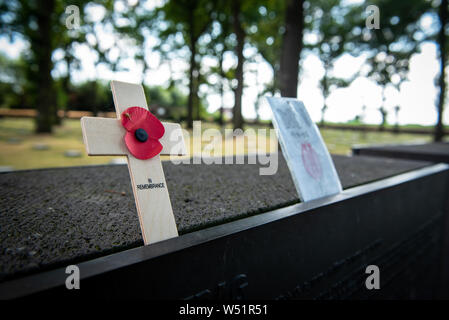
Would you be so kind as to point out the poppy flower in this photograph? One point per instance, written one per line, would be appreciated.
(143, 132)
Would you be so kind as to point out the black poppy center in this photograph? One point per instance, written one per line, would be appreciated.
(141, 135)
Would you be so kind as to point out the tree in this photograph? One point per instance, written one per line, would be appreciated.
(442, 39)
(219, 45)
(266, 35)
(291, 48)
(191, 19)
(396, 114)
(331, 22)
(244, 16)
(166, 103)
(41, 23)
(388, 69)
(239, 32)
(90, 96)
(390, 47)
(34, 21)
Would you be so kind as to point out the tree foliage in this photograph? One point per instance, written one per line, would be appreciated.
(187, 35)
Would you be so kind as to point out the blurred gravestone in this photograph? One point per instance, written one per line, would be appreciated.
(72, 154)
(41, 146)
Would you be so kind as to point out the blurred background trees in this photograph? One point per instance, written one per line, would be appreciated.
(443, 56)
(216, 42)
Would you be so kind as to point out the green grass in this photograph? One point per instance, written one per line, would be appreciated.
(341, 141)
(17, 139)
(21, 155)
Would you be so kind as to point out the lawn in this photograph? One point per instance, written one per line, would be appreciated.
(20, 148)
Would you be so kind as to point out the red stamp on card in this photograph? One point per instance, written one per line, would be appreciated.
(311, 161)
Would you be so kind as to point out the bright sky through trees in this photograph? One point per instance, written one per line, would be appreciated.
(416, 97)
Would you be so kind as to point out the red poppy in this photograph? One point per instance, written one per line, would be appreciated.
(143, 132)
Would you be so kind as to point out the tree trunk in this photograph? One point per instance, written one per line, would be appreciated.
(383, 111)
(439, 130)
(291, 48)
(222, 80)
(257, 109)
(276, 85)
(396, 113)
(95, 90)
(191, 99)
(237, 118)
(196, 101)
(67, 92)
(325, 90)
(259, 96)
(66, 82)
(42, 49)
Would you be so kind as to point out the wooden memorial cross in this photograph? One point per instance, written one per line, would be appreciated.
(103, 136)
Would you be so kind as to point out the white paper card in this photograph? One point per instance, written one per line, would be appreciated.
(308, 159)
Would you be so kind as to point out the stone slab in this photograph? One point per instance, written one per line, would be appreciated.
(433, 152)
(53, 217)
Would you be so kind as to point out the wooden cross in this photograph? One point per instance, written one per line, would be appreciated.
(103, 136)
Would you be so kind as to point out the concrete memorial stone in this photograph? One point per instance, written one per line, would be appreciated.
(140, 136)
(227, 217)
(308, 159)
(86, 216)
(433, 152)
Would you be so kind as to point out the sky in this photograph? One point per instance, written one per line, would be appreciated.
(417, 95)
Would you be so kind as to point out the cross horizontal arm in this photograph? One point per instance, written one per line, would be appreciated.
(105, 137)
